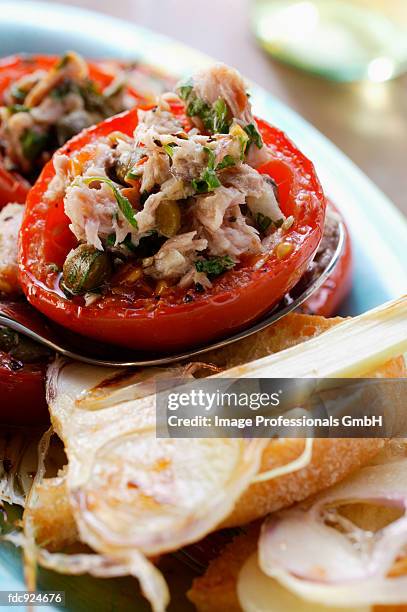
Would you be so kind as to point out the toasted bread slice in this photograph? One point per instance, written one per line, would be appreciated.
(332, 459)
(216, 590)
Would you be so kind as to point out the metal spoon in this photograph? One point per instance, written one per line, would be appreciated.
(23, 318)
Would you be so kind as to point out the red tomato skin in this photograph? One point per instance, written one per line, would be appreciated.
(13, 187)
(237, 298)
(13, 67)
(22, 394)
(327, 300)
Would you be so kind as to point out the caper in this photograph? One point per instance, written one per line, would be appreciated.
(86, 269)
(125, 164)
(168, 218)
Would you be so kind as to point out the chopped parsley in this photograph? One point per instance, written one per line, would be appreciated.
(18, 108)
(63, 89)
(215, 265)
(111, 241)
(220, 122)
(263, 222)
(185, 89)
(208, 181)
(254, 136)
(94, 100)
(226, 162)
(33, 144)
(215, 117)
(169, 148)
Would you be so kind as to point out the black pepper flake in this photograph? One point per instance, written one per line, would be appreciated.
(199, 288)
(188, 298)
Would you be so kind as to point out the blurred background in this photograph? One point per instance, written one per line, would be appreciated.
(361, 41)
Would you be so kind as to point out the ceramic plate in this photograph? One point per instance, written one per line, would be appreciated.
(378, 230)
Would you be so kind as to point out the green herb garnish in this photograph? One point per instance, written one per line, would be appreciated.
(169, 148)
(94, 100)
(254, 136)
(226, 162)
(111, 240)
(128, 243)
(263, 222)
(185, 89)
(208, 181)
(122, 202)
(33, 144)
(63, 89)
(220, 121)
(18, 108)
(215, 265)
(132, 176)
(215, 117)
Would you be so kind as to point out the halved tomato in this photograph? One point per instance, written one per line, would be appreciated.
(22, 392)
(178, 317)
(331, 294)
(13, 187)
(13, 67)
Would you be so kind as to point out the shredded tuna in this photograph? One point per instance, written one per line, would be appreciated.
(51, 107)
(11, 217)
(210, 209)
(220, 81)
(175, 257)
(189, 196)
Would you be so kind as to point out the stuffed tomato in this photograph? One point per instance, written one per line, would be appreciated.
(329, 297)
(44, 101)
(168, 227)
(23, 366)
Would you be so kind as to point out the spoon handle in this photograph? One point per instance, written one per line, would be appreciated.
(23, 318)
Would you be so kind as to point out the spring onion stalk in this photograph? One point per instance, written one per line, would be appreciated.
(348, 350)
